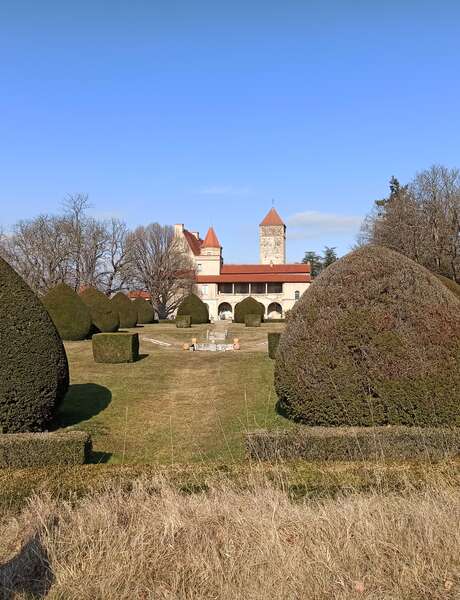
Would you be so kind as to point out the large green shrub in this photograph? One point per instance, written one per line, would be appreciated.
(21, 450)
(145, 311)
(450, 283)
(374, 340)
(103, 317)
(252, 320)
(196, 308)
(68, 312)
(117, 347)
(248, 306)
(34, 374)
(125, 308)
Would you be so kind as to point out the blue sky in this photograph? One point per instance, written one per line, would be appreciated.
(202, 112)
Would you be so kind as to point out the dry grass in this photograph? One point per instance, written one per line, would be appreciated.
(154, 542)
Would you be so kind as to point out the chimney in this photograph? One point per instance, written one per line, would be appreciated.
(178, 229)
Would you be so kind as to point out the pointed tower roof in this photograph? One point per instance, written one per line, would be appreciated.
(211, 241)
(272, 218)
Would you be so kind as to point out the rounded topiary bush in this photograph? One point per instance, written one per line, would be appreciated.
(103, 318)
(248, 306)
(450, 284)
(125, 308)
(34, 374)
(375, 340)
(68, 312)
(196, 308)
(145, 311)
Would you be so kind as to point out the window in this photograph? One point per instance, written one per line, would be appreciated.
(199, 268)
(274, 288)
(204, 290)
(258, 288)
(241, 288)
(296, 295)
(225, 288)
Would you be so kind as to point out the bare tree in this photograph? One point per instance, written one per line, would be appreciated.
(420, 220)
(159, 265)
(73, 247)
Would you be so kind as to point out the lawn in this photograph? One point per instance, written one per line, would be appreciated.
(173, 406)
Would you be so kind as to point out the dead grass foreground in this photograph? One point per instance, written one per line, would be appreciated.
(154, 542)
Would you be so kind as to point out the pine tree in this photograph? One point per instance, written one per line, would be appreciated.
(330, 256)
(315, 262)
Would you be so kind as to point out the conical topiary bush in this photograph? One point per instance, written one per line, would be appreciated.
(375, 340)
(248, 306)
(125, 308)
(68, 312)
(34, 374)
(145, 311)
(196, 308)
(103, 318)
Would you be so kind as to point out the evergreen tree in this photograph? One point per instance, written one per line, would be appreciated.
(315, 262)
(329, 257)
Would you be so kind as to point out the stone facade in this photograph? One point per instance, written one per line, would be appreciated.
(272, 244)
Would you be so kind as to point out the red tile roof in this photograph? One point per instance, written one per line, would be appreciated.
(211, 241)
(255, 277)
(240, 269)
(194, 243)
(139, 294)
(272, 218)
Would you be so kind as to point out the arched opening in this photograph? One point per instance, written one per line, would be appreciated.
(225, 311)
(274, 311)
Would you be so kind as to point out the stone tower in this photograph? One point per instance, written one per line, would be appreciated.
(272, 239)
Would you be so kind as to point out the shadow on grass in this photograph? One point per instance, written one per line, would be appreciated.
(98, 458)
(83, 401)
(27, 573)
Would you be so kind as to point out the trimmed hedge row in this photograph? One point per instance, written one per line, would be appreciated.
(196, 308)
(248, 306)
(69, 313)
(353, 443)
(21, 450)
(183, 321)
(34, 375)
(115, 348)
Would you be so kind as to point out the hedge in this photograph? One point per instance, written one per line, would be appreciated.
(68, 312)
(273, 343)
(248, 306)
(375, 340)
(126, 310)
(104, 318)
(117, 347)
(183, 321)
(21, 450)
(34, 374)
(353, 443)
(196, 308)
(252, 320)
(145, 311)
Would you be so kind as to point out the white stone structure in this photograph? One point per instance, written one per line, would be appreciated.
(274, 283)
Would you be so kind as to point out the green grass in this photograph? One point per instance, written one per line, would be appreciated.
(173, 406)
